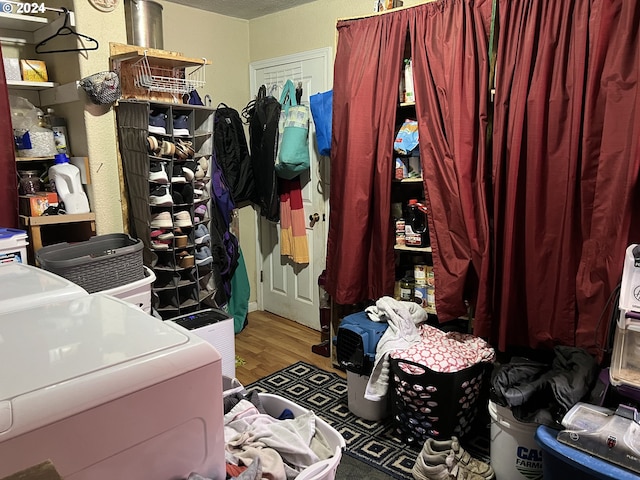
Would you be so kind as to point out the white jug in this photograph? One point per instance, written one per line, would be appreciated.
(66, 178)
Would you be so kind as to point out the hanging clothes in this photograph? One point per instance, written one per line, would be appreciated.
(293, 230)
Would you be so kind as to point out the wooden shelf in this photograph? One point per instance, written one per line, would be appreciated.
(408, 104)
(58, 219)
(406, 248)
(408, 180)
(161, 58)
(34, 159)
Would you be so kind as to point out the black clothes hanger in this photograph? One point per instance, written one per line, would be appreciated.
(64, 30)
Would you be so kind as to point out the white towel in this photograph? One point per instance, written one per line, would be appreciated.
(402, 333)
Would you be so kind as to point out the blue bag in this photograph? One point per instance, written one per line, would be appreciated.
(321, 109)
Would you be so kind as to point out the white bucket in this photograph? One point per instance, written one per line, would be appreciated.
(515, 455)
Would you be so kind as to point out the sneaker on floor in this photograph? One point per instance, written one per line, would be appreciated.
(182, 219)
(202, 234)
(181, 125)
(161, 220)
(177, 175)
(462, 457)
(157, 173)
(158, 123)
(160, 197)
(438, 467)
(203, 256)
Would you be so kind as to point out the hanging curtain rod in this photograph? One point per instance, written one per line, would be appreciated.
(383, 12)
(51, 9)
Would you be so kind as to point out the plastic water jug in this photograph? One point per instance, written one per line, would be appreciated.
(66, 178)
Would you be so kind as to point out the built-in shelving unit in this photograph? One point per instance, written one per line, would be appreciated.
(31, 29)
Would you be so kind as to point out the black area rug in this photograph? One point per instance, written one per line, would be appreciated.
(373, 443)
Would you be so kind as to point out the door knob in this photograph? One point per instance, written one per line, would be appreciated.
(313, 219)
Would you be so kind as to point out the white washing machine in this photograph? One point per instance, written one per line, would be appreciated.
(24, 286)
(106, 391)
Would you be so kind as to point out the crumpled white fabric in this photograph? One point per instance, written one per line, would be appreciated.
(285, 447)
(402, 333)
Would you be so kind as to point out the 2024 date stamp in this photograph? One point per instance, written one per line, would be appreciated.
(22, 8)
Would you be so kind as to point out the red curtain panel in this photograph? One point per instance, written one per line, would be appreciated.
(8, 170)
(360, 261)
(450, 43)
(565, 167)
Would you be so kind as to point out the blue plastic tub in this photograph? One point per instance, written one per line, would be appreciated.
(562, 462)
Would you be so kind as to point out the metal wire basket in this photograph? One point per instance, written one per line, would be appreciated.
(171, 80)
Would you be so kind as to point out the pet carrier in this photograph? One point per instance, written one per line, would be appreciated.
(357, 340)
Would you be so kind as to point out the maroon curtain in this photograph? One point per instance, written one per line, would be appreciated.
(8, 170)
(451, 71)
(360, 260)
(566, 160)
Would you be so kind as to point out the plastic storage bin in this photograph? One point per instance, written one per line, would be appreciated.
(101, 263)
(138, 292)
(432, 404)
(562, 462)
(13, 246)
(325, 469)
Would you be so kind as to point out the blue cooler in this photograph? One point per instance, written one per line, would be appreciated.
(562, 462)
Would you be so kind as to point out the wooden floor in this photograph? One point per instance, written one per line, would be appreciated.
(270, 343)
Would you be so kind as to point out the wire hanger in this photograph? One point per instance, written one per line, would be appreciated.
(64, 30)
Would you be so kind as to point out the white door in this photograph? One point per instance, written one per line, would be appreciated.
(286, 288)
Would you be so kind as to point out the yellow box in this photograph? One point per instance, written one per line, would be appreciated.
(34, 71)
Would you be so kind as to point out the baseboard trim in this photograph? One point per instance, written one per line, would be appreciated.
(253, 306)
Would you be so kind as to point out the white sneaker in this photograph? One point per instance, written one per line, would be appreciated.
(160, 197)
(182, 219)
(446, 447)
(438, 467)
(161, 220)
(157, 173)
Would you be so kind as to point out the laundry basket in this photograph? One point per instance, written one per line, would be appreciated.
(429, 404)
(325, 469)
(100, 263)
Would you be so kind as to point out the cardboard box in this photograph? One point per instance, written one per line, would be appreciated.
(35, 205)
(34, 71)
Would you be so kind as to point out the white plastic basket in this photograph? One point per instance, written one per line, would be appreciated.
(171, 80)
(325, 469)
(138, 293)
